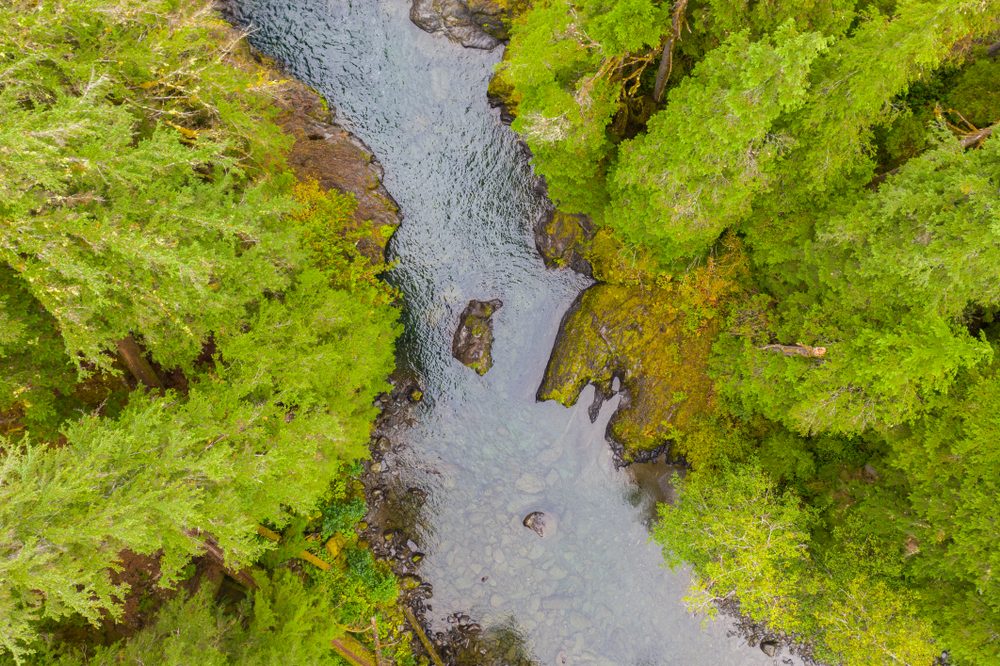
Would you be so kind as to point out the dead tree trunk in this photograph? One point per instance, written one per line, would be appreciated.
(214, 553)
(667, 58)
(974, 139)
(130, 352)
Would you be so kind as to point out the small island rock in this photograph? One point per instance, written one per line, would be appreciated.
(473, 341)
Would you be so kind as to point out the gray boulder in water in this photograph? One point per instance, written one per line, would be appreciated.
(473, 23)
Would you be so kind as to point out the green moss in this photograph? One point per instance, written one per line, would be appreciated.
(483, 365)
(478, 326)
(501, 89)
(563, 236)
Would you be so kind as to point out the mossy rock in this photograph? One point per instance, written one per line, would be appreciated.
(564, 239)
(502, 95)
(657, 337)
(472, 344)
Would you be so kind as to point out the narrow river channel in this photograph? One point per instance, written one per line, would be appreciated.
(594, 590)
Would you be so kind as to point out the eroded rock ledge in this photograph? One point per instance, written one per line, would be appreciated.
(336, 159)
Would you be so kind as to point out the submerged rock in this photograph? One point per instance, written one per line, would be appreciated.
(475, 24)
(473, 341)
(770, 648)
(530, 484)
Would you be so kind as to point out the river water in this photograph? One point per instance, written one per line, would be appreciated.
(593, 591)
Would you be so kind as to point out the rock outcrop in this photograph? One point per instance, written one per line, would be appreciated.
(336, 159)
(477, 24)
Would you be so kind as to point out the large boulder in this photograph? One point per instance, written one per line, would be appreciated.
(478, 24)
(473, 341)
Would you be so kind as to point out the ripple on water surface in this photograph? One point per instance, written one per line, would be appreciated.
(593, 590)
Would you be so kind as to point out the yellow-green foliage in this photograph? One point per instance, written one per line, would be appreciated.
(976, 94)
(330, 234)
(846, 144)
(142, 180)
(749, 539)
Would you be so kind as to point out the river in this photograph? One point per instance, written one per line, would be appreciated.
(594, 591)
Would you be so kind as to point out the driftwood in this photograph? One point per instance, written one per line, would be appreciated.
(974, 139)
(422, 635)
(667, 58)
(796, 350)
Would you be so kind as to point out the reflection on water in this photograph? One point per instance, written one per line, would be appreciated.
(592, 591)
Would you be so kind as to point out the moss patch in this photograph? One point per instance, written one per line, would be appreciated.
(501, 92)
(563, 239)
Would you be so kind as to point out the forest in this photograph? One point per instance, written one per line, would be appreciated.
(797, 208)
(792, 212)
(187, 325)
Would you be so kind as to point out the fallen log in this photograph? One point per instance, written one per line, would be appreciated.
(353, 651)
(422, 636)
(796, 350)
(304, 555)
(974, 139)
(347, 647)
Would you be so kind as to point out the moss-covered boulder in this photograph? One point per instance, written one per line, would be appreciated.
(656, 334)
(472, 344)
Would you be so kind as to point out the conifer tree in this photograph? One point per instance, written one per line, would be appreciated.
(150, 201)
